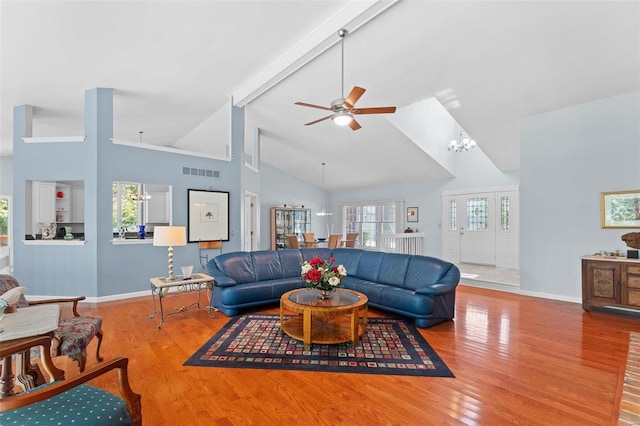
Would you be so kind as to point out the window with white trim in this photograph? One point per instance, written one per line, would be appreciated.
(372, 219)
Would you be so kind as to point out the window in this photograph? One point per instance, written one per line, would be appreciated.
(140, 204)
(453, 218)
(477, 214)
(370, 220)
(504, 213)
(127, 210)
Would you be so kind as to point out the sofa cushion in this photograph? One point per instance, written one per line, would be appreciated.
(424, 270)
(237, 265)
(349, 258)
(393, 269)
(291, 262)
(266, 265)
(405, 300)
(369, 265)
(372, 289)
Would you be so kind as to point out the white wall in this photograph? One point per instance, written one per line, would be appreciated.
(568, 157)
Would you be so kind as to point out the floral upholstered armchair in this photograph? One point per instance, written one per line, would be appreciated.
(73, 334)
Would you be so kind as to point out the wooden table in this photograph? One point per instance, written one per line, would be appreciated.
(18, 328)
(161, 286)
(342, 318)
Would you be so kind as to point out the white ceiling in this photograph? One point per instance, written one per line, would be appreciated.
(174, 65)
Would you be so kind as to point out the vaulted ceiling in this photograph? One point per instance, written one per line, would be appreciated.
(174, 66)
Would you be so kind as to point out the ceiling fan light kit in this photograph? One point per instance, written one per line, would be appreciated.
(342, 118)
(344, 108)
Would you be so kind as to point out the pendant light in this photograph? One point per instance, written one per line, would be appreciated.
(323, 211)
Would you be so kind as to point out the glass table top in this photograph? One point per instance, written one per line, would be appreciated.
(310, 297)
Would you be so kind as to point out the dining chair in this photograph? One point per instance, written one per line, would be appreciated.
(350, 241)
(310, 240)
(73, 334)
(292, 241)
(68, 401)
(334, 240)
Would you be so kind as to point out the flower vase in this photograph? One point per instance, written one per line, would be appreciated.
(141, 233)
(68, 233)
(325, 294)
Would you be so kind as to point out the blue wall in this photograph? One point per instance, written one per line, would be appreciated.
(100, 268)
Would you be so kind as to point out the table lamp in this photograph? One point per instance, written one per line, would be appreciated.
(169, 236)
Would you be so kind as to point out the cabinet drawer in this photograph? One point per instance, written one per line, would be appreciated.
(633, 281)
(633, 297)
(633, 270)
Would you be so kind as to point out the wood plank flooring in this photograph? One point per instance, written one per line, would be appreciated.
(517, 360)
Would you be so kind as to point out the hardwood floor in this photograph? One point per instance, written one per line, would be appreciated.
(517, 360)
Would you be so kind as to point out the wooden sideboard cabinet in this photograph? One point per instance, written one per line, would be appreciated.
(611, 282)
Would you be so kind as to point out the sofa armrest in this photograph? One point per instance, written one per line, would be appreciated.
(436, 289)
(220, 278)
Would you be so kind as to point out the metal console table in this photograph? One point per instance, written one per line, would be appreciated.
(161, 286)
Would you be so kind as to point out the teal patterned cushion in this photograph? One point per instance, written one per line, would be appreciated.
(82, 405)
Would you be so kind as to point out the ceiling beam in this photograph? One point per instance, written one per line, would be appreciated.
(352, 16)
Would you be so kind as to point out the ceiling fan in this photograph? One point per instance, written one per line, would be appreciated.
(344, 108)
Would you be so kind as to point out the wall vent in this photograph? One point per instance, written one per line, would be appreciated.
(192, 171)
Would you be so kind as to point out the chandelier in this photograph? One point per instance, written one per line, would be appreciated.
(461, 144)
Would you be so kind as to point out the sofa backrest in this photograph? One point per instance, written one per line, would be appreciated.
(349, 258)
(237, 265)
(291, 262)
(266, 265)
(369, 265)
(310, 253)
(424, 270)
(393, 269)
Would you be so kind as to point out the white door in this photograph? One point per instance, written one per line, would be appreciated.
(477, 229)
(250, 235)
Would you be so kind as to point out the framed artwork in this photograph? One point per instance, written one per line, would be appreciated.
(412, 214)
(620, 209)
(208, 215)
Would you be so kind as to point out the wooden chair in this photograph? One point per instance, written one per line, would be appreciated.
(73, 334)
(350, 241)
(69, 401)
(334, 240)
(207, 245)
(310, 239)
(292, 241)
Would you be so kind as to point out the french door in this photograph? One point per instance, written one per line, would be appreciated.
(481, 228)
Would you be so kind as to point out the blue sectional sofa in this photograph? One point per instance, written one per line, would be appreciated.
(419, 287)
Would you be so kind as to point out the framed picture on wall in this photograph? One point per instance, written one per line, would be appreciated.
(620, 209)
(208, 213)
(412, 214)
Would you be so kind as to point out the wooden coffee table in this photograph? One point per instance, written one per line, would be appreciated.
(342, 318)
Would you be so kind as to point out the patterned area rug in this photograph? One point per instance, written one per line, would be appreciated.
(390, 346)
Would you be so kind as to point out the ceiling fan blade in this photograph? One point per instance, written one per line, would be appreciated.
(353, 97)
(313, 106)
(319, 120)
(376, 110)
(354, 124)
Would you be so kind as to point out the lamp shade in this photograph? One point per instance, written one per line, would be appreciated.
(169, 236)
